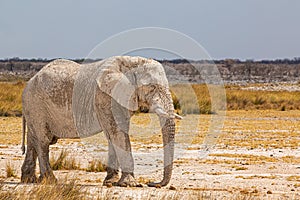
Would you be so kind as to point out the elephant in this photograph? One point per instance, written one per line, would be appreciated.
(70, 100)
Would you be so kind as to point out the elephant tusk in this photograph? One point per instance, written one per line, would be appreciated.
(160, 112)
(178, 116)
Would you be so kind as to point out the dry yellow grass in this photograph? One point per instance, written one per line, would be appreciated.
(251, 129)
(218, 173)
(72, 191)
(251, 159)
(69, 191)
(187, 99)
(239, 168)
(261, 129)
(248, 157)
(11, 98)
(64, 161)
(10, 171)
(265, 100)
(293, 178)
(10, 130)
(96, 166)
(257, 177)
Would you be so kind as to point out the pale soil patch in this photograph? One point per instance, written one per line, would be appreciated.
(273, 87)
(256, 156)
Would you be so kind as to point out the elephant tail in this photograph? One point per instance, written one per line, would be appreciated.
(23, 135)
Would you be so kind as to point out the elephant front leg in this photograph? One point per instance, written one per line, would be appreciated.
(115, 122)
(112, 177)
(121, 144)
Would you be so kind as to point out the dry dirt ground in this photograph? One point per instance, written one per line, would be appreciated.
(257, 156)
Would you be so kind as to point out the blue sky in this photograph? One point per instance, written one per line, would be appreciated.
(248, 29)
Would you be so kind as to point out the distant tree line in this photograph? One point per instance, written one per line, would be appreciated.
(295, 60)
(231, 70)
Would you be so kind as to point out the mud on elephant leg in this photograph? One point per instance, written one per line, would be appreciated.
(112, 176)
(28, 167)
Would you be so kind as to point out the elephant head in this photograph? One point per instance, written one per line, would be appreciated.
(135, 82)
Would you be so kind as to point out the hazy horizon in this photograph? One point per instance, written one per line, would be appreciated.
(250, 29)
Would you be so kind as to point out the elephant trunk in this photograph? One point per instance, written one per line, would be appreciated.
(168, 132)
(167, 122)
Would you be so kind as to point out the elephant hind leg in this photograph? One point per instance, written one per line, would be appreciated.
(29, 164)
(42, 139)
(46, 173)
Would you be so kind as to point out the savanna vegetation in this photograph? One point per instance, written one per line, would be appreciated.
(253, 130)
(187, 99)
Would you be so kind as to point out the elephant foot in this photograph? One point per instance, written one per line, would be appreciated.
(152, 184)
(110, 180)
(28, 179)
(47, 178)
(127, 180)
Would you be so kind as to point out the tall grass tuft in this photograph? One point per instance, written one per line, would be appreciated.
(96, 166)
(10, 171)
(64, 162)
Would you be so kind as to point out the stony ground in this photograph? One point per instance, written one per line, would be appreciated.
(257, 156)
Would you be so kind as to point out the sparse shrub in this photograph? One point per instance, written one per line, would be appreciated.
(96, 166)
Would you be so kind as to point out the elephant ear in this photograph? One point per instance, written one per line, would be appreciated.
(121, 87)
(83, 101)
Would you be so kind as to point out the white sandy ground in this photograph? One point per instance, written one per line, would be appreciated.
(214, 181)
(274, 87)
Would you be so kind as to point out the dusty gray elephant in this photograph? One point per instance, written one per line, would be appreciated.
(68, 100)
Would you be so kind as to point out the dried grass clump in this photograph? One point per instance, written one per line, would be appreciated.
(293, 178)
(64, 162)
(257, 177)
(96, 166)
(10, 171)
(69, 191)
